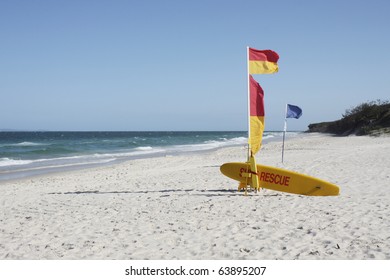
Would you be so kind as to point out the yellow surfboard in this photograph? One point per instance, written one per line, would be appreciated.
(278, 179)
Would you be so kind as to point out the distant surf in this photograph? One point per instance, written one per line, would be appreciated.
(24, 154)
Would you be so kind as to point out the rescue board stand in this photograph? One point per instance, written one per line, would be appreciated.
(251, 176)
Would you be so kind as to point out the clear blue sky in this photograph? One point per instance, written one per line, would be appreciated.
(181, 65)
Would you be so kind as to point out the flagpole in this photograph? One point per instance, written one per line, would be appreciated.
(248, 88)
(284, 131)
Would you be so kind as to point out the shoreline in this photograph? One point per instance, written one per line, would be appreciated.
(17, 173)
(182, 207)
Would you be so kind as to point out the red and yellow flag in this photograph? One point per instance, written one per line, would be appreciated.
(256, 115)
(263, 62)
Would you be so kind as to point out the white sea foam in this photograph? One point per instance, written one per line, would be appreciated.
(209, 145)
(148, 148)
(10, 162)
(26, 144)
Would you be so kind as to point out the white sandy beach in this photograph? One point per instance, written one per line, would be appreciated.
(182, 207)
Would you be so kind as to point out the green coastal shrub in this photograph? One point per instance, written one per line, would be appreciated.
(363, 119)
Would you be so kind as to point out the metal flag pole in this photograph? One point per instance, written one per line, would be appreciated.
(251, 158)
(284, 131)
(249, 112)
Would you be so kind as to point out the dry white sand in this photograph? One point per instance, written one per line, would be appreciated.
(182, 207)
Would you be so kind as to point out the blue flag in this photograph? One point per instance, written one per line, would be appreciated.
(293, 111)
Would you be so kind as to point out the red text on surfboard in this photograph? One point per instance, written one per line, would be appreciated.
(274, 178)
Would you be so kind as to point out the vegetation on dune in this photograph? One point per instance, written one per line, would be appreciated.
(369, 118)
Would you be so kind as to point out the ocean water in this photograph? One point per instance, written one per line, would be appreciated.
(24, 154)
